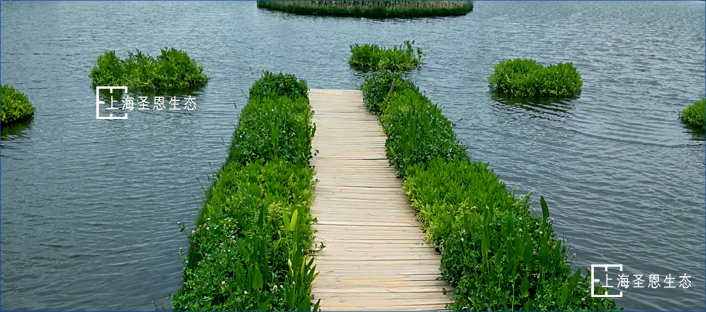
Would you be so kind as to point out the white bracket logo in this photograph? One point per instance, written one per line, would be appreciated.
(593, 280)
(99, 102)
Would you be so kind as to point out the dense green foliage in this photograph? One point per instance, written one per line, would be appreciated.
(527, 78)
(371, 9)
(417, 132)
(249, 249)
(15, 105)
(694, 114)
(377, 86)
(279, 84)
(173, 69)
(374, 57)
(495, 252)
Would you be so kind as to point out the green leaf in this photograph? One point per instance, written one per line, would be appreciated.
(257, 279)
(243, 251)
(285, 219)
(293, 223)
(304, 305)
(524, 287)
(564, 294)
(545, 209)
(574, 281)
(544, 255)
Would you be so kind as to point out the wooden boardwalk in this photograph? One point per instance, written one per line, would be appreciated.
(375, 256)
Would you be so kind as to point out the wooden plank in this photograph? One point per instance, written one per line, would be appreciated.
(375, 256)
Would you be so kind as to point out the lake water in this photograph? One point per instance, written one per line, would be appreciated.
(90, 207)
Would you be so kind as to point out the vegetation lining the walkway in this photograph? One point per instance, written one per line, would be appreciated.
(172, 69)
(694, 114)
(249, 248)
(487, 235)
(374, 57)
(15, 105)
(371, 9)
(527, 78)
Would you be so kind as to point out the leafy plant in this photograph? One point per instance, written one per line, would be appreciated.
(527, 78)
(251, 242)
(279, 85)
(417, 132)
(173, 69)
(375, 57)
(377, 87)
(694, 114)
(15, 105)
(371, 9)
(504, 258)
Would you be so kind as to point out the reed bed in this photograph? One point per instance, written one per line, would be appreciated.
(371, 9)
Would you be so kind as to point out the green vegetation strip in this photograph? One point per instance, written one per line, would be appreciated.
(495, 252)
(249, 248)
(374, 57)
(371, 9)
(527, 78)
(172, 69)
(694, 114)
(15, 105)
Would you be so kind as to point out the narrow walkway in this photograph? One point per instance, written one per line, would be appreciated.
(375, 256)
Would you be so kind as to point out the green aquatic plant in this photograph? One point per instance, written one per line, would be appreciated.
(371, 9)
(527, 78)
(496, 253)
(250, 247)
(15, 105)
(694, 114)
(374, 57)
(173, 69)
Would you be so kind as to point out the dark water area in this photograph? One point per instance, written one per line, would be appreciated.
(89, 208)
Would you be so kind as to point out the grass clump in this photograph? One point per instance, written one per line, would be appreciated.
(527, 78)
(372, 57)
(249, 249)
(172, 69)
(694, 114)
(371, 9)
(486, 234)
(15, 105)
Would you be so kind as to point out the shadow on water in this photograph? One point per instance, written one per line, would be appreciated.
(16, 130)
(537, 107)
(697, 133)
